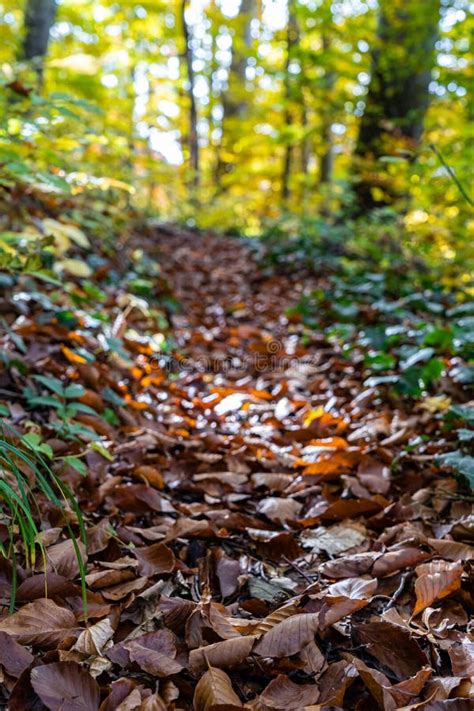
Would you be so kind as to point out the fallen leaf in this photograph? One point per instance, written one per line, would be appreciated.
(13, 657)
(227, 653)
(155, 559)
(93, 639)
(213, 689)
(41, 622)
(65, 685)
(435, 581)
(282, 693)
(289, 636)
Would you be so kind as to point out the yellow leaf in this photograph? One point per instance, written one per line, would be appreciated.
(439, 403)
(65, 234)
(312, 416)
(76, 267)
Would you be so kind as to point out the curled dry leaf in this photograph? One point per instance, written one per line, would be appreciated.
(155, 559)
(435, 581)
(154, 702)
(151, 475)
(41, 622)
(277, 616)
(354, 588)
(65, 685)
(395, 560)
(350, 566)
(155, 653)
(227, 653)
(176, 611)
(334, 682)
(93, 639)
(213, 689)
(313, 658)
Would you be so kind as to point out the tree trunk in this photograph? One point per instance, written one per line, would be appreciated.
(398, 96)
(193, 131)
(234, 100)
(292, 38)
(327, 160)
(39, 18)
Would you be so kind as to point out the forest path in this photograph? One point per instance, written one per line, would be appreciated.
(227, 302)
(258, 510)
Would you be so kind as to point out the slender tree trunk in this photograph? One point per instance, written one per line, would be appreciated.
(327, 161)
(292, 37)
(234, 101)
(398, 95)
(39, 18)
(193, 131)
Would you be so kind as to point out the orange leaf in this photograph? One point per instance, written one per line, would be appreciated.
(73, 357)
(436, 580)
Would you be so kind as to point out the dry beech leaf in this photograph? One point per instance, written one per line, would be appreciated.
(34, 587)
(435, 581)
(131, 702)
(176, 611)
(65, 685)
(150, 475)
(279, 510)
(41, 622)
(395, 560)
(393, 646)
(155, 559)
(312, 657)
(275, 618)
(334, 682)
(61, 558)
(223, 654)
(334, 539)
(155, 653)
(452, 550)
(350, 566)
(282, 693)
(13, 657)
(289, 636)
(93, 639)
(153, 703)
(376, 682)
(354, 588)
(214, 688)
(409, 689)
(462, 658)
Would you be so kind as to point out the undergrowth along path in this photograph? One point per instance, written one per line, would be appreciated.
(264, 531)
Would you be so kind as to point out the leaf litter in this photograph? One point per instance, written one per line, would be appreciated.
(261, 531)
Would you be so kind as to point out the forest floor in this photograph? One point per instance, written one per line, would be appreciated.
(262, 528)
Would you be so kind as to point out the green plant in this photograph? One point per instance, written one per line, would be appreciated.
(25, 474)
(64, 401)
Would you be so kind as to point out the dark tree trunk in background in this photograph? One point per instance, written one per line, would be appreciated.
(193, 130)
(39, 18)
(234, 100)
(327, 160)
(292, 38)
(398, 96)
